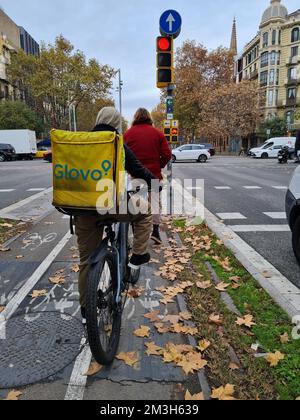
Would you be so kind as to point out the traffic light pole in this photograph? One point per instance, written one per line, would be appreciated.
(170, 94)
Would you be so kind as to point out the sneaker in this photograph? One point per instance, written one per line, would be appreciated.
(83, 314)
(137, 260)
(156, 236)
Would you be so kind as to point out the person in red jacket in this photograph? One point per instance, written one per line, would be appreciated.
(152, 149)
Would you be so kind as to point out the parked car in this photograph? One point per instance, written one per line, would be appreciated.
(270, 148)
(7, 152)
(293, 211)
(48, 156)
(196, 152)
(40, 154)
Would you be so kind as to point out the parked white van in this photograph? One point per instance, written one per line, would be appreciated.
(271, 147)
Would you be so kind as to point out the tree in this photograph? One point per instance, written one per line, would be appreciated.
(277, 127)
(158, 116)
(59, 77)
(18, 116)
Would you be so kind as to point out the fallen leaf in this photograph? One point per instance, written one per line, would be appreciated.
(223, 393)
(233, 366)
(142, 332)
(161, 328)
(275, 358)
(94, 369)
(38, 293)
(57, 279)
(203, 345)
(247, 321)
(6, 225)
(153, 349)
(204, 285)
(284, 339)
(75, 268)
(19, 257)
(216, 319)
(195, 397)
(267, 274)
(221, 287)
(4, 249)
(235, 279)
(185, 316)
(135, 293)
(173, 319)
(129, 359)
(153, 316)
(192, 363)
(2, 308)
(298, 399)
(13, 396)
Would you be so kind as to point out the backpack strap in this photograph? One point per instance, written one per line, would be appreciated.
(72, 225)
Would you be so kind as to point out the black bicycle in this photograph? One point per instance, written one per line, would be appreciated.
(108, 285)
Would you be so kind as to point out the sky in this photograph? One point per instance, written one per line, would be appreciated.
(122, 33)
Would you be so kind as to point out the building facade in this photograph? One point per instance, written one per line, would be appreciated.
(12, 39)
(272, 58)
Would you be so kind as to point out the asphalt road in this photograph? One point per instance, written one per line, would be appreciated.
(241, 191)
(20, 180)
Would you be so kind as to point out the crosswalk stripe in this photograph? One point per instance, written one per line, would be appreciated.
(6, 191)
(223, 188)
(260, 228)
(279, 187)
(276, 215)
(249, 187)
(36, 189)
(231, 216)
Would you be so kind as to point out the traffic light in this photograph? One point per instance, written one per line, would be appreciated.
(174, 134)
(165, 53)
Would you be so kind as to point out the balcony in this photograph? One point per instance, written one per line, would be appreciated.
(293, 60)
(292, 81)
(254, 74)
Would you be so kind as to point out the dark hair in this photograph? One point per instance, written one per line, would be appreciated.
(142, 116)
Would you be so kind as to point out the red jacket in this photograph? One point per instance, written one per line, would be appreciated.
(150, 147)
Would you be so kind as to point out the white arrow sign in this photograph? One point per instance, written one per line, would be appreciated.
(171, 20)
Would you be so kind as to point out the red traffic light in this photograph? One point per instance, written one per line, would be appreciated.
(174, 131)
(164, 44)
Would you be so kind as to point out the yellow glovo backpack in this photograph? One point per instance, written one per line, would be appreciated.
(85, 167)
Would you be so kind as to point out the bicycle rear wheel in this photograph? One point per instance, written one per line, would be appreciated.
(103, 313)
(134, 274)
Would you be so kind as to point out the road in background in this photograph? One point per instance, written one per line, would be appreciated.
(249, 196)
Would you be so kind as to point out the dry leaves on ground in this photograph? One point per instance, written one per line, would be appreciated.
(275, 358)
(234, 366)
(75, 268)
(267, 274)
(224, 393)
(58, 278)
(6, 225)
(153, 349)
(135, 293)
(13, 395)
(195, 397)
(216, 319)
(247, 321)
(153, 316)
(2, 308)
(204, 285)
(142, 332)
(38, 293)
(203, 345)
(4, 248)
(222, 287)
(129, 359)
(93, 369)
(284, 338)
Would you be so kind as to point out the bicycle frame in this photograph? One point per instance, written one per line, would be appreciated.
(116, 241)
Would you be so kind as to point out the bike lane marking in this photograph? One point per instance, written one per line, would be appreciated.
(22, 203)
(16, 301)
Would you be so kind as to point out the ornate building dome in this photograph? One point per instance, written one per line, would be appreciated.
(274, 11)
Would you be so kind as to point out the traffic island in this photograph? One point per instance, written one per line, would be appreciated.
(249, 342)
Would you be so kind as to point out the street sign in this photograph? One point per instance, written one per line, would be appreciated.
(170, 116)
(170, 23)
(170, 105)
(171, 131)
(167, 124)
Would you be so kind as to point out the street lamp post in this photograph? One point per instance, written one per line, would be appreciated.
(119, 89)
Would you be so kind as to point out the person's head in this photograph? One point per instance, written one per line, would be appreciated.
(142, 116)
(109, 116)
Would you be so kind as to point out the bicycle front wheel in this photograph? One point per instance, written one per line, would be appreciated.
(103, 313)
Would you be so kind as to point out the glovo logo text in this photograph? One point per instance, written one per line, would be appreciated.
(65, 172)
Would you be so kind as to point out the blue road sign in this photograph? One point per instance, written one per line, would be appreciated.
(170, 22)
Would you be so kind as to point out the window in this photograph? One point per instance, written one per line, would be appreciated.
(278, 58)
(276, 98)
(265, 39)
(270, 97)
(265, 59)
(296, 35)
(279, 37)
(290, 115)
(273, 58)
(264, 78)
(272, 77)
(274, 33)
(292, 73)
(294, 51)
(292, 93)
(268, 145)
(277, 77)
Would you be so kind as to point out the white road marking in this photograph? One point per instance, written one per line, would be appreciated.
(77, 384)
(14, 304)
(260, 228)
(36, 189)
(231, 216)
(6, 191)
(280, 187)
(25, 202)
(223, 188)
(254, 187)
(194, 188)
(284, 292)
(276, 215)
